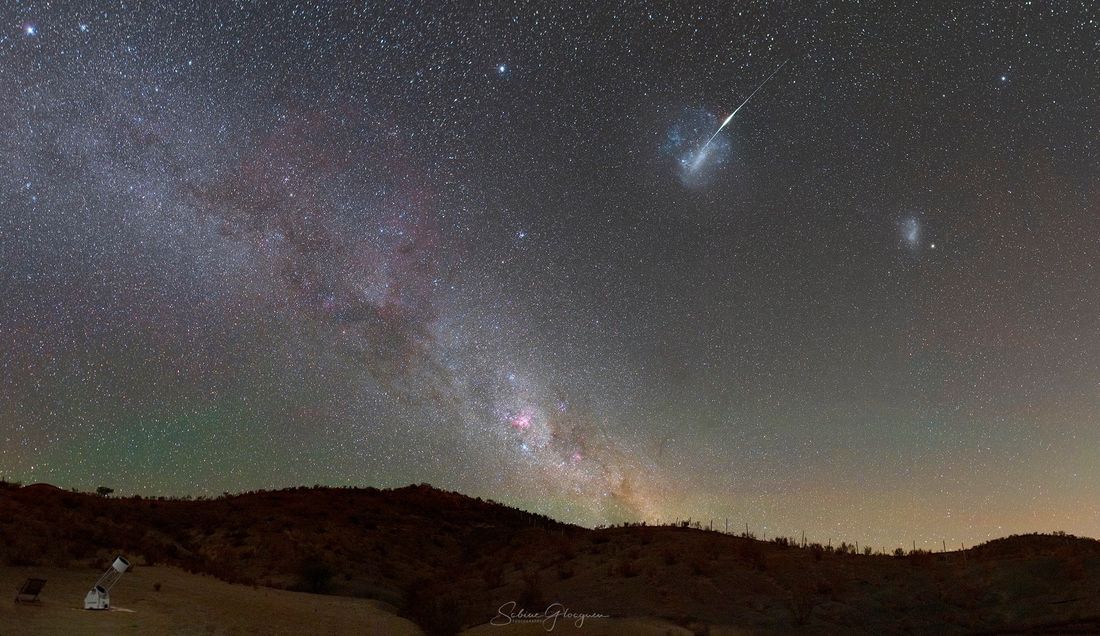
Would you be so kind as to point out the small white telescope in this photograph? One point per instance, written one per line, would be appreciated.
(99, 598)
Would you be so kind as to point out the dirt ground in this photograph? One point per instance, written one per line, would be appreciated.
(185, 604)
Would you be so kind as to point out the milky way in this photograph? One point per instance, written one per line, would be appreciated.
(250, 246)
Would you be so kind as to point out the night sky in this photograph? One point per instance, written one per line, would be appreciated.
(250, 245)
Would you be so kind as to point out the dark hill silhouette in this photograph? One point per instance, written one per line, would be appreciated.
(447, 560)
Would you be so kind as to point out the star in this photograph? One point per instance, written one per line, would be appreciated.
(30, 29)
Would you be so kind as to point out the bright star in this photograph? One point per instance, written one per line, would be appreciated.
(502, 69)
(30, 30)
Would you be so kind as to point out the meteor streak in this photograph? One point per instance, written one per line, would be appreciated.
(702, 154)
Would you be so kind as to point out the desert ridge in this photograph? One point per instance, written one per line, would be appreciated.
(419, 559)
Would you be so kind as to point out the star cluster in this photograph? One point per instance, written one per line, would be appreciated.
(251, 245)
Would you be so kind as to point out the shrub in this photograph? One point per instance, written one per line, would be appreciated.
(801, 604)
(315, 575)
(627, 569)
(759, 560)
(1075, 568)
(493, 573)
(531, 596)
(19, 559)
(438, 614)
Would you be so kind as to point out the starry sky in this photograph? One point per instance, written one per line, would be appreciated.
(482, 245)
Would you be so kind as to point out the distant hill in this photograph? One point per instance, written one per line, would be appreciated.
(450, 561)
